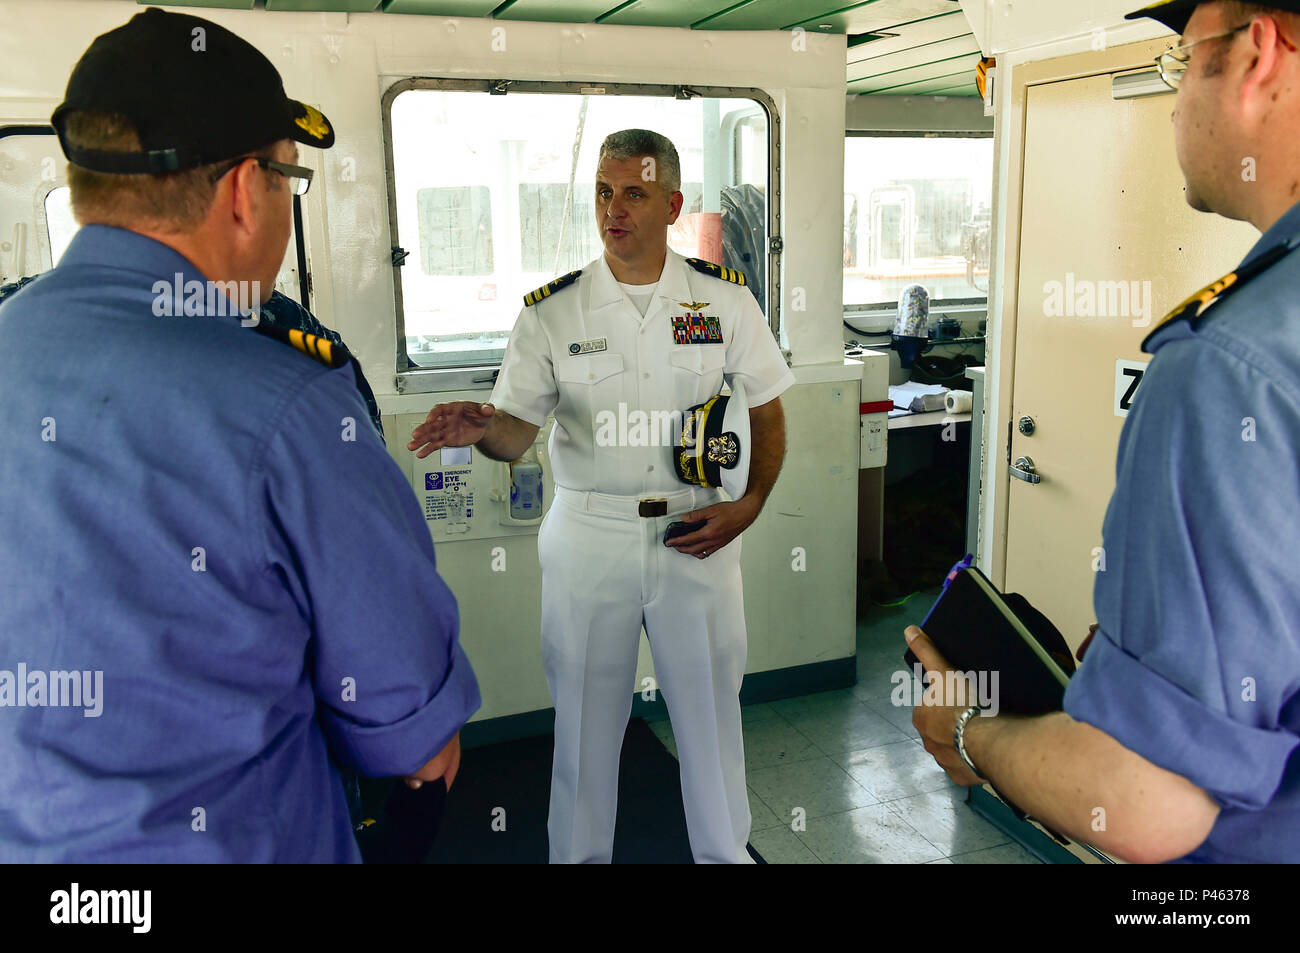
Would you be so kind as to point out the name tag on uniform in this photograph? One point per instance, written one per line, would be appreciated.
(587, 347)
(695, 327)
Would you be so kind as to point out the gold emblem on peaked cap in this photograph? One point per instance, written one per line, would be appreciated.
(312, 123)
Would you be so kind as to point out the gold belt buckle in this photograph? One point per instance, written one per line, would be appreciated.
(649, 508)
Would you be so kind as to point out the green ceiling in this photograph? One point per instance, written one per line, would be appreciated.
(896, 47)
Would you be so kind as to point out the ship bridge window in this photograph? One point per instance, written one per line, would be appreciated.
(455, 230)
(38, 203)
(59, 222)
(493, 195)
(916, 211)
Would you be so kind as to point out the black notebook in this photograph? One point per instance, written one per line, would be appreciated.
(983, 631)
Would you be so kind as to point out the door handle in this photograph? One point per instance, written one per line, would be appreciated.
(1023, 469)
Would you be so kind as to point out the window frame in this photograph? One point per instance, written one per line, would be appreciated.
(964, 305)
(413, 379)
(300, 247)
(41, 219)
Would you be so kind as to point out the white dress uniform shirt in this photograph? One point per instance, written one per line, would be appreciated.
(587, 348)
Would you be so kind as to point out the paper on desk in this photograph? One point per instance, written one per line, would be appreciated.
(918, 397)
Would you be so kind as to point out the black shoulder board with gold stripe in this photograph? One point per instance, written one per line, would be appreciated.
(331, 355)
(548, 289)
(717, 271)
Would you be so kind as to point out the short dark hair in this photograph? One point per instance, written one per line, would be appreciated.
(170, 200)
(635, 143)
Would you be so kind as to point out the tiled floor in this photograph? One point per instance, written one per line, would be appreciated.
(853, 765)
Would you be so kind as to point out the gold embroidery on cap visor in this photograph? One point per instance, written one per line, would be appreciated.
(699, 449)
(723, 450)
(312, 123)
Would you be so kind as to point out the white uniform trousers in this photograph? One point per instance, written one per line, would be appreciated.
(605, 572)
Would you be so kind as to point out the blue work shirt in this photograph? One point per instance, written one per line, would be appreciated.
(203, 515)
(283, 311)
(1196, 661)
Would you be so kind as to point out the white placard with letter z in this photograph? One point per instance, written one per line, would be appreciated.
(1128, 374)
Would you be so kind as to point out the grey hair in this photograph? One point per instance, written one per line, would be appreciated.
(634, 143)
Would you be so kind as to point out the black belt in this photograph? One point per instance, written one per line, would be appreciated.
(649, 508)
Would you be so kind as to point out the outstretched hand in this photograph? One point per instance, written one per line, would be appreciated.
(459, 423)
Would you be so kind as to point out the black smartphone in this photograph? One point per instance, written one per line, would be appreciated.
(681, 529)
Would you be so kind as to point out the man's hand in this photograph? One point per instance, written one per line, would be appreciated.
(1083, 646)
(723, 523)
(936, 723)
(456, 424)
(445, 764)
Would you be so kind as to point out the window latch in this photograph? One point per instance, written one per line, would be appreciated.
(399, 256)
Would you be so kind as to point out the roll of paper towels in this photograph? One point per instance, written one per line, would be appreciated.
(958, 401)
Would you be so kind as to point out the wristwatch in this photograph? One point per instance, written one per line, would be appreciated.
(959, 741)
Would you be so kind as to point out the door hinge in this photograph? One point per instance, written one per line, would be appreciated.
(776, 244)
(399, 256)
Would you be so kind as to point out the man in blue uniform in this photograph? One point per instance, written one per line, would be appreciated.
(200, 612)
(1180, 735)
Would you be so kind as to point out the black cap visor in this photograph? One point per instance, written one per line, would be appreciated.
(309, 126)
(1172, 13)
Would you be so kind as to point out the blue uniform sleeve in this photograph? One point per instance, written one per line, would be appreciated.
(345, 533)
(1197, 655)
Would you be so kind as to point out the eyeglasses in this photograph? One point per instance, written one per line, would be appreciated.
(299, 176)
(1173, 63)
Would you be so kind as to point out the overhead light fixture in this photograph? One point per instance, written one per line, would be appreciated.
(1135, 85)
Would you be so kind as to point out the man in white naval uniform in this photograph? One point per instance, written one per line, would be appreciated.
(596, 347)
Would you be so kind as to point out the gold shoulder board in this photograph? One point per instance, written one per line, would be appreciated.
(317, 348)
(717, 271)
(548, 289)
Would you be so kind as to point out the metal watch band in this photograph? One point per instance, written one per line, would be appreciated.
(959, 740)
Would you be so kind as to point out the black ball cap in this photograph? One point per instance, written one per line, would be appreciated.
(196, 93)
(1175, 13)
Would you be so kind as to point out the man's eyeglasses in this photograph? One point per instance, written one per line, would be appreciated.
(299, 176)
(1173, 63)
